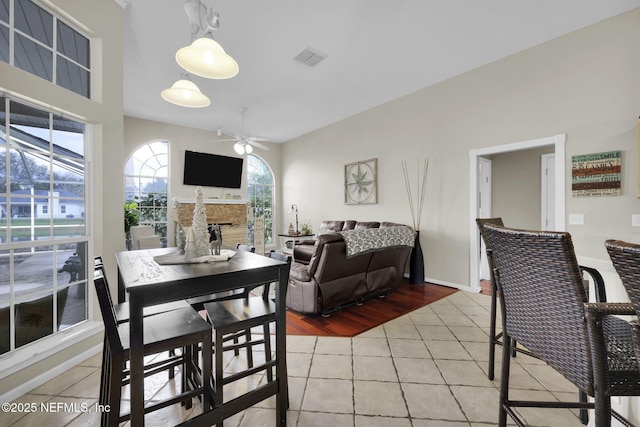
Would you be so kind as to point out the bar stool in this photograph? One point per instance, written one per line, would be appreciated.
(234, 319)
(170, 330)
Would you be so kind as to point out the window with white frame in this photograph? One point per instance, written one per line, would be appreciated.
(260, 188)
(146, 176)
(43, 264)
(36, 41)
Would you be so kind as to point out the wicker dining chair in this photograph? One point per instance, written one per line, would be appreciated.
(544, 306)
(626, 260)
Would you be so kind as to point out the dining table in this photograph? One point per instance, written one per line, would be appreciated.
(146, 282)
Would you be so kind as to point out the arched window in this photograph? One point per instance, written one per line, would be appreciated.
(146, 177)
(261, 194)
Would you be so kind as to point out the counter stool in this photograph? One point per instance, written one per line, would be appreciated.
(234, 319)
(166, 331)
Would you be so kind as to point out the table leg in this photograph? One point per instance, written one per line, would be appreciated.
(282, 399)
(137, 361)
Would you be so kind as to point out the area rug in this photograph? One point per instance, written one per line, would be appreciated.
(356, 319)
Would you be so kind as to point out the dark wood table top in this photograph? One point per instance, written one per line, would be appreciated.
(139, 273)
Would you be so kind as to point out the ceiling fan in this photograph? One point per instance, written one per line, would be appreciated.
(243, 142)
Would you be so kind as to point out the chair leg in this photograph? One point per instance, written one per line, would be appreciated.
(188, 357)
(504, 379)
(584, 413)
(207, 404)
(267, 350)
(172, 371)
(492, 333)
(104, 374)
(603, 408)
(218, 354)
(115, 390)
(249, 348)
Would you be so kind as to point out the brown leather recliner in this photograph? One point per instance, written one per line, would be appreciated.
(330, 280)
(303, 250)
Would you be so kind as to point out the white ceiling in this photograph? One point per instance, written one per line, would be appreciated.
(378, 50)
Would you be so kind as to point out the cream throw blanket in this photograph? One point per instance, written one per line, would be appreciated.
(377, 239)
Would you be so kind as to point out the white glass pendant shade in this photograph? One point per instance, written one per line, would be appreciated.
(186, 94)
(206, 58)
(238, 148)
(248, 148)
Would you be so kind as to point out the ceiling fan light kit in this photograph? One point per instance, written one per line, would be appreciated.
(185, 93)
(242, 147)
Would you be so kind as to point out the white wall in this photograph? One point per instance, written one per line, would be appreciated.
(583, 84)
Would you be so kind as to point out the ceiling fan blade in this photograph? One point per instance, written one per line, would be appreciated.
(258, 138)
(224, 140)
(257, 144)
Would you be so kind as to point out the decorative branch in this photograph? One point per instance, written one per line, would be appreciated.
(416, 211)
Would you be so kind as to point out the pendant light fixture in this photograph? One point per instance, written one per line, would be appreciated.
(185, 93)
(205, 57)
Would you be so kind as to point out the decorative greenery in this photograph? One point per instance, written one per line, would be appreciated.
(306, 229)
(131, 215)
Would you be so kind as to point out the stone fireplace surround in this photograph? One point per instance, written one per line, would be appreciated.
(230, 214)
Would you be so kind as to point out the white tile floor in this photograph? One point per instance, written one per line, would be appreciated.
(427, 368)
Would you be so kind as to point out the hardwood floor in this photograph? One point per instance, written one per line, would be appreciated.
(356, 319)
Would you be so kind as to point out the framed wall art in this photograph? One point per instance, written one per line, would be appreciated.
(361, 182)
(596, 174)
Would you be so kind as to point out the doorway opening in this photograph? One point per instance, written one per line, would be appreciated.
(476, 159)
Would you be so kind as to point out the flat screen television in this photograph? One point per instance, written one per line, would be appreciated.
(212, 170)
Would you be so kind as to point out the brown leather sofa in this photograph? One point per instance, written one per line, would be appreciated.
(324, 279)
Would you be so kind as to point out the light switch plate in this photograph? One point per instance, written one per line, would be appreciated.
(635, 220)
(576, 219)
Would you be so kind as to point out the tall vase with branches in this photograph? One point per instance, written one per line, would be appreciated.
(416, 260)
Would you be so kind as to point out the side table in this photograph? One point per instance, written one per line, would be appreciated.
(293, 238)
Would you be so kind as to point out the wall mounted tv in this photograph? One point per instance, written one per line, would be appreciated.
(212, 170)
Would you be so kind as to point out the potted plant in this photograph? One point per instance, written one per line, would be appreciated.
(131, 218)
(306, 230)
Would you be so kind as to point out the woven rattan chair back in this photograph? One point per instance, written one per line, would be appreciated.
(626, 260)
(543, 298)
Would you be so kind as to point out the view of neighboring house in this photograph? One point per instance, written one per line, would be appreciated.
(44, 204)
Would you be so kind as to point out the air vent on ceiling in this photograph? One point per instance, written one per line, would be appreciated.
(310, 57)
